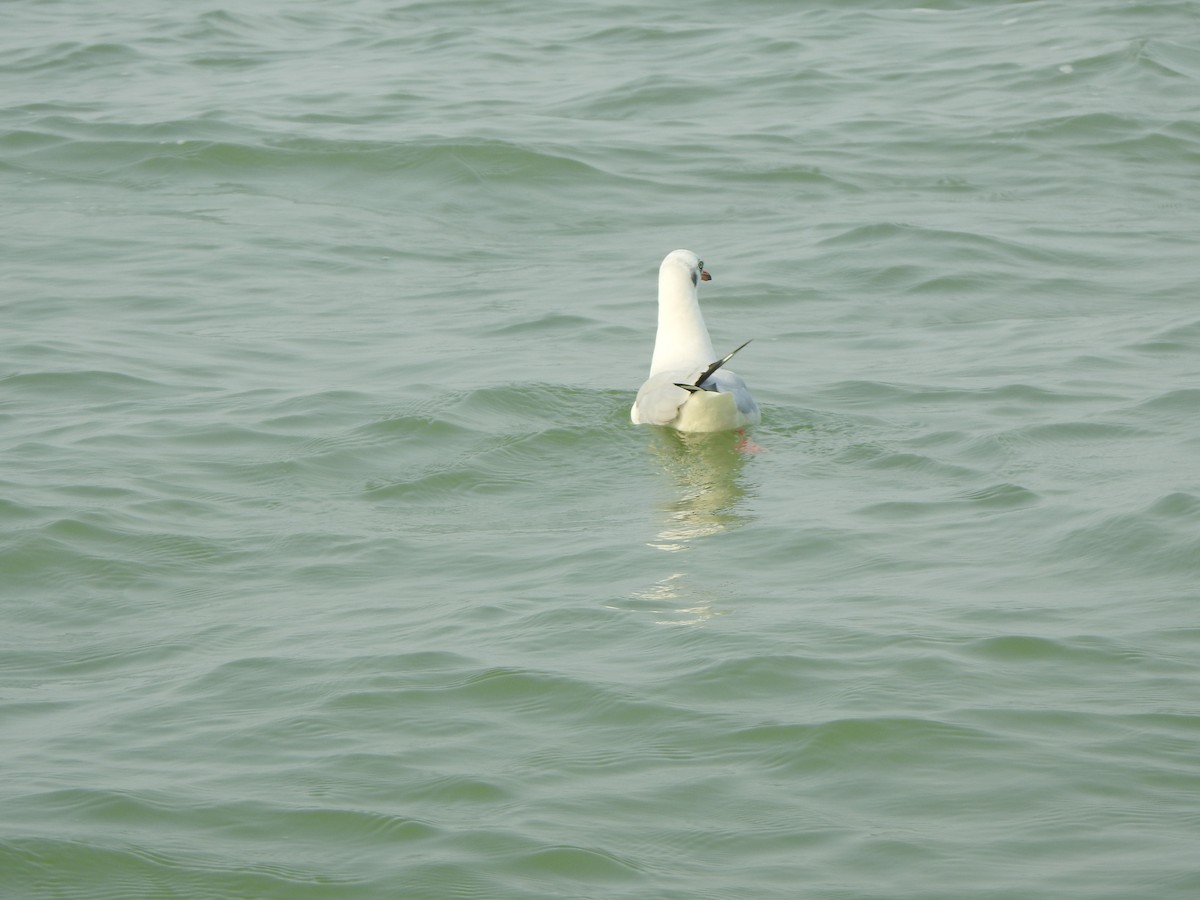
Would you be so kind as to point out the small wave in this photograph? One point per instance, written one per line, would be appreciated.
(908, 241)
(1148, 542)
(574, 863)
(200, 149)
(96, 385)
(81, 58)
(1034, 649)
(1172, 406)
(1076, 432)
(996, 498)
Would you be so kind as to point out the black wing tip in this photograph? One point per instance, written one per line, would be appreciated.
(720, 362)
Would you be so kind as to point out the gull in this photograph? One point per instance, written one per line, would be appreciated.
(687, 388)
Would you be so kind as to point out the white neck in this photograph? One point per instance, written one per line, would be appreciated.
(682, 341)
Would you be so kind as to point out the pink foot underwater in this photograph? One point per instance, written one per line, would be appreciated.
(745, 445)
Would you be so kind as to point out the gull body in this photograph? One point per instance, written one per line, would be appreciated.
(687, 388)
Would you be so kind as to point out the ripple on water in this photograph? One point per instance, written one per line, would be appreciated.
(1147, 541)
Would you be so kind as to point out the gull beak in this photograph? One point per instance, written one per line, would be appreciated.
(704, 276)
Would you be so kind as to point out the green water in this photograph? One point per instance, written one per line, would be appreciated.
(331, 566)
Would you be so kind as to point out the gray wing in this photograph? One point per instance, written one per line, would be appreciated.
(731, 383)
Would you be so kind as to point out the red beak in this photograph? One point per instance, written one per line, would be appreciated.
(704, 276)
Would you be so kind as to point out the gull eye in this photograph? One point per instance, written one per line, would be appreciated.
(699, 264)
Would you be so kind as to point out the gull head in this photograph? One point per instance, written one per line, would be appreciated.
(685, 264)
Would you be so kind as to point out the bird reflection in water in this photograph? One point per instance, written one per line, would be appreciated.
(706, 469)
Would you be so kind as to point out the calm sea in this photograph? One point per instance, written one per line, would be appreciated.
(331, 566)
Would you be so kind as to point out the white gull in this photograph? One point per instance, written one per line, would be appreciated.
(687, 388)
